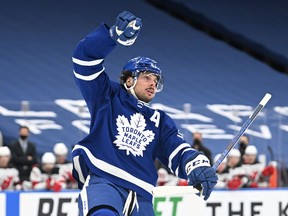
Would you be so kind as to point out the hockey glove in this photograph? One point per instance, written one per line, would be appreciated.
(182, 182)
(254, 185)
(57, 186)
(126, 28)
(201, 175)
(234, 183)
(6, 183)
(268, 171)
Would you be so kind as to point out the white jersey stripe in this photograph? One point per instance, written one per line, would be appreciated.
(175, 152)
(115, 171)
(87, 63)
(89, 77)
(78, 169)
(84, 197)
(177, 169)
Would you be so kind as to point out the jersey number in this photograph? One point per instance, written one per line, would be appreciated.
(155, 118)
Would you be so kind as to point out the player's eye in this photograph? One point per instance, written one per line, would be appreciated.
(150, 77)
(147, 77)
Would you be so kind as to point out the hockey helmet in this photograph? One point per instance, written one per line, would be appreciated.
(140, 64)
(251, 150)
(217, 157)
(60, 149)
(234, 153)
(48, 158)
(5, 151)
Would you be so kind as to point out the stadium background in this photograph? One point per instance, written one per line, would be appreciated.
(229, 53)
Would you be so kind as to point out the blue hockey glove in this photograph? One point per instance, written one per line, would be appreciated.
(126, 28)
(201, 175)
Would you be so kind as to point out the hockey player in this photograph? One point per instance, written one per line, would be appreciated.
(9, 175)
(257, 172)
(114, 164)
(60, 150)
(46, 176)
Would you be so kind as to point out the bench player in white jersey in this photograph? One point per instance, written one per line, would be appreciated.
(9, 175)
(46, 176)
(60, 151)
(114, 164)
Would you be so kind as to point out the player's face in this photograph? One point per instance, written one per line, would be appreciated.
(146, 86)
(249, 158)
(61, 159)
(4, 160)
(221, 167)
(47, 167)
(233, 161)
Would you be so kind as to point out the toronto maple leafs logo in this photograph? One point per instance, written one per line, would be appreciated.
(132, 135)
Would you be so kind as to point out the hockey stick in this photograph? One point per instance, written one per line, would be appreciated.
(242, 130)
(174, 190)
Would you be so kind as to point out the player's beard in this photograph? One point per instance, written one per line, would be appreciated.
(144, 98)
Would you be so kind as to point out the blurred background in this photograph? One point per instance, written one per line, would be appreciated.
(218, 60)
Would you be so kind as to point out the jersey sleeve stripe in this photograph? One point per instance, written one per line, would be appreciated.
(177, 169)
(88, 77)
(78, 169)
(115, 171)
(175, 152)
(87, 63)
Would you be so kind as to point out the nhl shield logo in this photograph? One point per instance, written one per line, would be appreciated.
(132, 135)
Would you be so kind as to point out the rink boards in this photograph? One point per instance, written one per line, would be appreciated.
(221, 203)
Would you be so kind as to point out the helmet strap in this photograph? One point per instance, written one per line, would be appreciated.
(131, 88)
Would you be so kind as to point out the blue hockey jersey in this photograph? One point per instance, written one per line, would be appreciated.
(126, 135)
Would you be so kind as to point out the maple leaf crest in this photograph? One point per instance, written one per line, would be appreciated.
(132, 136)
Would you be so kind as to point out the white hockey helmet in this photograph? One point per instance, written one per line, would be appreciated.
(60, 149)
(217, 157)
(48, 158)
(234, 153)
(251, 150)
(5, 151)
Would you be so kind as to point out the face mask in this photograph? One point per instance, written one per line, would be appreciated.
(197, 142)
(242, 145)
(23, 137)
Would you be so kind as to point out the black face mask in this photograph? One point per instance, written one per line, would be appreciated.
(197, 142)
(242, 145)
(23, 137)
